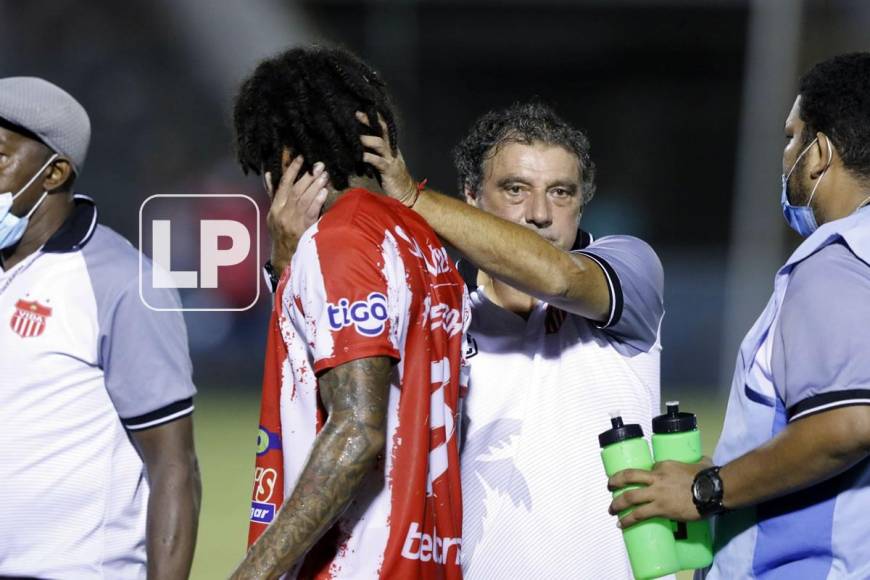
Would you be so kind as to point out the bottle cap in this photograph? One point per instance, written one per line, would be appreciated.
(674, 421)
(619, 432)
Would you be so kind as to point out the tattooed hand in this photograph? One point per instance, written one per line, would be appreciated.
(355, 396)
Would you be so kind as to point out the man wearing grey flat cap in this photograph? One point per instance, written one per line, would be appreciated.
(98, 473)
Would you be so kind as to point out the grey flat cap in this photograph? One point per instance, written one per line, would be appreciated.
(50, 113)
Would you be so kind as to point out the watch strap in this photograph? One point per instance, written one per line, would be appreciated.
(708, 506)
(271, 275)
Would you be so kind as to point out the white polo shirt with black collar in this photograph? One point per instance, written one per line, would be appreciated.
(542, 387)
(82, 362)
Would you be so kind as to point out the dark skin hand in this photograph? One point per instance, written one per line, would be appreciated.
(173, 507)
(669, 490)
(21, 158)
(808, 451)
(345, 451)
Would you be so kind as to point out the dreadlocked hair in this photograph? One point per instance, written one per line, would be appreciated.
(305, 100)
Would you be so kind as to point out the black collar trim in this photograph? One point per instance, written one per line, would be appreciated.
(583, 240)
(77, 230)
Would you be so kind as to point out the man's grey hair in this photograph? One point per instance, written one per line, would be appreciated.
(525, 123)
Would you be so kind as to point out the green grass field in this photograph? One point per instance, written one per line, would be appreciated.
(226, 432)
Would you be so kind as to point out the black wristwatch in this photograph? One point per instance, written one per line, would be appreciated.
(271, 275)
(707, 492)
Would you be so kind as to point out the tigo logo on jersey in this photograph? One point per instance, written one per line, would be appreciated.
(29, 318)
(367, 316)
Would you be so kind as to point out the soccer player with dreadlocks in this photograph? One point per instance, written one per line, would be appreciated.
(357, 465)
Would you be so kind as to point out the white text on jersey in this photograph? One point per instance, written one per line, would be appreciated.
(423, 547)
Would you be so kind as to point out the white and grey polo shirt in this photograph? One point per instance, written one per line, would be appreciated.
(82, 362)
(542, 387)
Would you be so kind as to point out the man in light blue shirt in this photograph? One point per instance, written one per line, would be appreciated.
(791, 480)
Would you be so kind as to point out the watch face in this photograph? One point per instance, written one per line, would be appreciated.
(704, 489)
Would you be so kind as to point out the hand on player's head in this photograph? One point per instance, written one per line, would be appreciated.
(396, 180)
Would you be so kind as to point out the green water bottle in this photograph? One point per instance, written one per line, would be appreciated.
(650, 544)
(676, 438)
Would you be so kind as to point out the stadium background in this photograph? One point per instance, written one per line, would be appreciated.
(683, 101)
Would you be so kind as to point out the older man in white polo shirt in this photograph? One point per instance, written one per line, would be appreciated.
(95, 388)
(565, 329)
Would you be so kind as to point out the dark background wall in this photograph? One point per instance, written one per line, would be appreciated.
(658, 86)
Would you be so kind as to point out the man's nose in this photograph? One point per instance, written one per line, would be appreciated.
(538, 210)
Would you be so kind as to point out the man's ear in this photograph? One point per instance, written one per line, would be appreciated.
(59, 173)
(825, 157)
(470, 196)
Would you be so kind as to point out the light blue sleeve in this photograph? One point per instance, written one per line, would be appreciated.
(822, 341)
(143, 353)
(636, 280)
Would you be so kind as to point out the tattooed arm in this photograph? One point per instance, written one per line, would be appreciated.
(355, 396)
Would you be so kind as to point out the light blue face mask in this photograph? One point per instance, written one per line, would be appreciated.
(801, 217)
(12, 227)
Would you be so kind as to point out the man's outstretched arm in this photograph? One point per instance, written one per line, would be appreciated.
(507, 251)
(518, 256)
(355, 396)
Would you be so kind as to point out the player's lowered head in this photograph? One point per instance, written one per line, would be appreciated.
(303, 102)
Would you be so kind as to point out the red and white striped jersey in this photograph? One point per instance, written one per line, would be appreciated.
(371, 278)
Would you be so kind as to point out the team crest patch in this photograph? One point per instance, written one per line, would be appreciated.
(29, 318)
